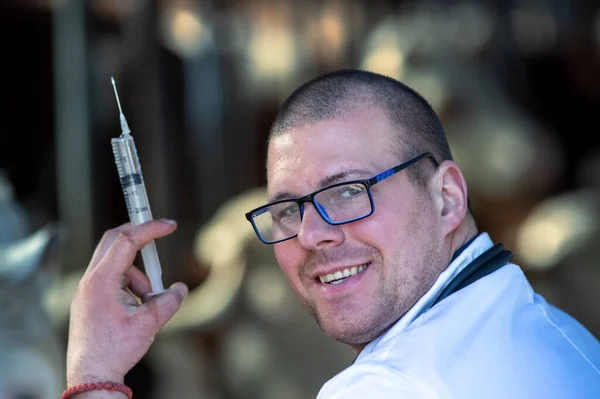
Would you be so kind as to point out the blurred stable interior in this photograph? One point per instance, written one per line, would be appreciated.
(516, 83)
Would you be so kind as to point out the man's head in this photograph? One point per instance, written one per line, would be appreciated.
(415, 123)
(352, 125)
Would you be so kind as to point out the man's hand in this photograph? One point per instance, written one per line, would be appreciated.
(110, 331)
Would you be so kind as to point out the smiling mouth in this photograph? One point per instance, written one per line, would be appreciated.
(341, 275)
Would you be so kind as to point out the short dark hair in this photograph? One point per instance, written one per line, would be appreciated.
(333, 94)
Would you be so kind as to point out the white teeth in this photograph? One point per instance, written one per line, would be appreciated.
(339, 276)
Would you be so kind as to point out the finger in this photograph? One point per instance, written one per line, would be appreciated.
(137, 282)
(129, 298)
(160, 308)
(123, 250)
(107, 239)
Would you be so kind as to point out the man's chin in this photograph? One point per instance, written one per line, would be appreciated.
(344, 327)
(349, 334)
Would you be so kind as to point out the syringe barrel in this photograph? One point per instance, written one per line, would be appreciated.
(132, 180)
(136, 200)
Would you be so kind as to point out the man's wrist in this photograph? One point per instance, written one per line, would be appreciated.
(90, 378)
(99, 395)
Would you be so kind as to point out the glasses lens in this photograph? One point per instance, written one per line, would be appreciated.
(338, 204)
(278, 221)
(344, 203)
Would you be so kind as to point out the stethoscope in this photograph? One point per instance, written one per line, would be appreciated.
(486, 263)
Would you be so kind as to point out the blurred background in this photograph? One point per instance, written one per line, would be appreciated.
(516, 84)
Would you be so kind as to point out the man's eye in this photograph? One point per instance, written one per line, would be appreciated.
(287, 212)
(351, 191)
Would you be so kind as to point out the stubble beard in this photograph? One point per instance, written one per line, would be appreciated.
(391, 300)
(342, 325)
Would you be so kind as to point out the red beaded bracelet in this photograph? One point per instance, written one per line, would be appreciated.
(97, 386)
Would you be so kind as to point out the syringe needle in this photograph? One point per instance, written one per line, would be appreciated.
(124, 127)
(116, 94)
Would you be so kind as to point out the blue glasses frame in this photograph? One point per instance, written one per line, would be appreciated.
(311, 197)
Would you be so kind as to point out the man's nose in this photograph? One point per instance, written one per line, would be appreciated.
(315, 232)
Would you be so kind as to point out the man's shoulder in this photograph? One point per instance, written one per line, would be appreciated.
(499, 328)
(375, 379)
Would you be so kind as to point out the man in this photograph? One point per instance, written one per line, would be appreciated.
(369, 219)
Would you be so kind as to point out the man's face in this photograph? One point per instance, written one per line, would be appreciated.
(392, 255)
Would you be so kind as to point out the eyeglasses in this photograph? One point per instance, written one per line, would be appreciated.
(337, 204)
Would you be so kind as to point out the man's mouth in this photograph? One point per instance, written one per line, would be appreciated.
(341, 275)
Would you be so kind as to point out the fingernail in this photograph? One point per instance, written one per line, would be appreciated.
(181, 289)
(168, 221)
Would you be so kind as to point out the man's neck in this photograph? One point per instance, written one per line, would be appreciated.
(465, 232)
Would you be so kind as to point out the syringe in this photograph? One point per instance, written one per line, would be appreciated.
(134, 190)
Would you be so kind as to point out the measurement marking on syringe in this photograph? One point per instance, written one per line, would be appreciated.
(131, 180)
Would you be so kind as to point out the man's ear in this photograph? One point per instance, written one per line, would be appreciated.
(450, 190)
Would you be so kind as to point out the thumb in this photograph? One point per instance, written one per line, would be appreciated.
(162, 307)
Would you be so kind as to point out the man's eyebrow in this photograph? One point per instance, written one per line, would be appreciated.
(341, 176)
(324, 182)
